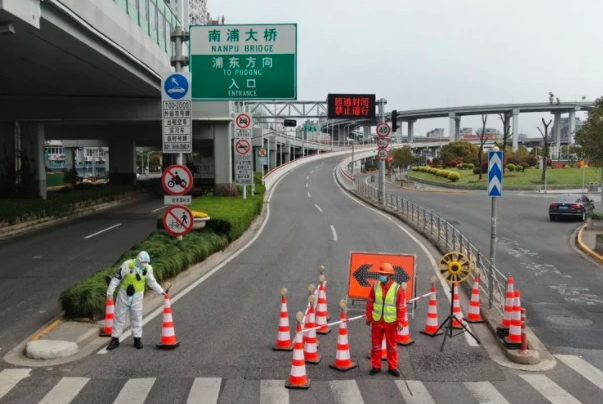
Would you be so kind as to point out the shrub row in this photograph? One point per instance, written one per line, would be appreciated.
(451, 175)
(596, 215)
(465, 166)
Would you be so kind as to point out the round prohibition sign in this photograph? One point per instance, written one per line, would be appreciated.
(262, 152)
(178, 220)
(382, 155)
(243, 121)
(383, 142)
(383, 129)
(177, 180)
(242, 147)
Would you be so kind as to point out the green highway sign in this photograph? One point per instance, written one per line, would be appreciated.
(243, 62)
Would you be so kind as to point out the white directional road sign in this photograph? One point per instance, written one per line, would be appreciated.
(178, 220)
(243, 162)
(176, 113)
(383, 129)
(383, 142)
(177, 180)
(495, 173)
(381, 155)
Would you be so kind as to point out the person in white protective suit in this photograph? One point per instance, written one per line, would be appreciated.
(133, 274)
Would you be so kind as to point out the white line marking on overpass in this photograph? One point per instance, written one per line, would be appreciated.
(306, 185)
(318, 207)
(309, 196)
(434, 265)
(102, 231)
(334, 233)
(163, 207)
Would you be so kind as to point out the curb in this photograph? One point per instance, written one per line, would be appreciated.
(594, 255)
(538, 359)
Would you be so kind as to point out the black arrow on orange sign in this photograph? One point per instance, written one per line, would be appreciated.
(362, 275)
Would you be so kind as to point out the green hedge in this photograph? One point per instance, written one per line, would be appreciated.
(596, 215)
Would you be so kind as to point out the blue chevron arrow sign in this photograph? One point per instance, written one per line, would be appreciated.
(495, 173)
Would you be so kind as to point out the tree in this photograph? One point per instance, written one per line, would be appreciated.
(590, 137)
(506, 120)
(403, 157)
(545, 153)
(482, 140)
(465, 150)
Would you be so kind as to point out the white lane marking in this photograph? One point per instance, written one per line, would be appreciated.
(346, 392)
(306, 185)
(420, 395)
(334, 233)
(549, 389)
(10, 377)
(308, 177)
(588, 371)
(135, 391)
(199, 281)
(309, 196)
(485, 392)
(273, 392)
(434, 265)
(65, 390)
(102, 231)
(318, 207)
(163, 207)
(205, 390)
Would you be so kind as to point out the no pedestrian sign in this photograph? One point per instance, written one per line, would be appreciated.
(178, 220)
(176, 113)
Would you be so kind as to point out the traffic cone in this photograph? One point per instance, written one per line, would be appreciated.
(403, 335)
(168, 336)
(321, 271)
(456, 308)
(343, 361)
(321, 311)
(311, 354)
(431, 322)
(297, 377)
(474, 314)
(503, 329)
(513, 340)
(107, 328)
(283, 339)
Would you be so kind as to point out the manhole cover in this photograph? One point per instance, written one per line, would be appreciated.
(569, 321)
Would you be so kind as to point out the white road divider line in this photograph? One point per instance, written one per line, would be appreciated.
(346, 392)
(273, 392)
(318, 207)
(9, 379)
(135, 391)
(102, 231)
(334, 233)
(549, 389)
(588, 371)
(306, 185)
(65, 390)
(309, 196)
(205, 390)
(163, 207)
(308, 177)
(432, 260)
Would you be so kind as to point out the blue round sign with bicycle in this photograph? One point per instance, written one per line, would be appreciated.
(176, 86)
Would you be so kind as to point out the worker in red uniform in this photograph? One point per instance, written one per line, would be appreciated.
(385, 309)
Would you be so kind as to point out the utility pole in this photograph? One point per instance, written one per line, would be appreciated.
(381, 104)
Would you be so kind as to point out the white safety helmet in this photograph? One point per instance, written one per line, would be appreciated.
(143, 258)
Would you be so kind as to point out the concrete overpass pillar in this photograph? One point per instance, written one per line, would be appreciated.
(222, 156)
(558, 132)
(7, 158)
(287, 154)
(515, 129)
(455, 127)
(122, 161)
(572, 128)
(272, 152)
(411, 131)
(32, 159)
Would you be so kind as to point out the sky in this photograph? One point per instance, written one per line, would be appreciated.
(440, 53)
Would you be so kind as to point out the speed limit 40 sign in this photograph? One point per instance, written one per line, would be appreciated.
(383, 129)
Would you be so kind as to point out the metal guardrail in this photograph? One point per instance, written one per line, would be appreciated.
(493, 283)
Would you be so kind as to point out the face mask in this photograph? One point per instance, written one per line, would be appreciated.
(383, 278)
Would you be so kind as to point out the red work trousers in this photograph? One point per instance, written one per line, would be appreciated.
(377, 333)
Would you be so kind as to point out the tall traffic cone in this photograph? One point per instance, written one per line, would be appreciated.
(311, 354)
(297, 377)
(283, 339)
(321, 310)
(168, 335)
(321, 271)
(503, 329)
(343, 361)
(513, 340)
(456, 308)
(107, 328)
(403, 335)
(474, 314)
(431, 322)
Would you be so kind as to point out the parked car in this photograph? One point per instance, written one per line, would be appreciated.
(570, 206)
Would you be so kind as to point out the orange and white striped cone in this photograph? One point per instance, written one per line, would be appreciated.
(107, 328)
(403, 334)
(321, 270)
(513, 340)
(503, 329)
(474, 314)
(321, 309)
(311, 354)
(297, 377)
(431, 322)
(456, 308)
(343, 361)
(283, 339)
(168, 335)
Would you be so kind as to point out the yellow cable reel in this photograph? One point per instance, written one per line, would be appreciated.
(454, 267)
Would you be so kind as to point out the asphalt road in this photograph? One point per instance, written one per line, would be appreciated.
(36, 267)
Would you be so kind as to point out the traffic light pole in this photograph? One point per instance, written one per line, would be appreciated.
(382, 103)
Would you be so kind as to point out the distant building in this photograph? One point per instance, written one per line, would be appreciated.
(565, 128)
(189, 12)
(466, 131)
(435, 133)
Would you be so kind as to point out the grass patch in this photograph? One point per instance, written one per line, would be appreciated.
(596, 215)
(230, 217)
(530, 177)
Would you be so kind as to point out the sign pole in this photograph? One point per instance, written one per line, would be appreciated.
(495, 163)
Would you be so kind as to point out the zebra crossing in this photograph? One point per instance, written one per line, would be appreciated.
(575, 382)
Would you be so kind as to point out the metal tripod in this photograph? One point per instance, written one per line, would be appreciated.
(447, 323)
